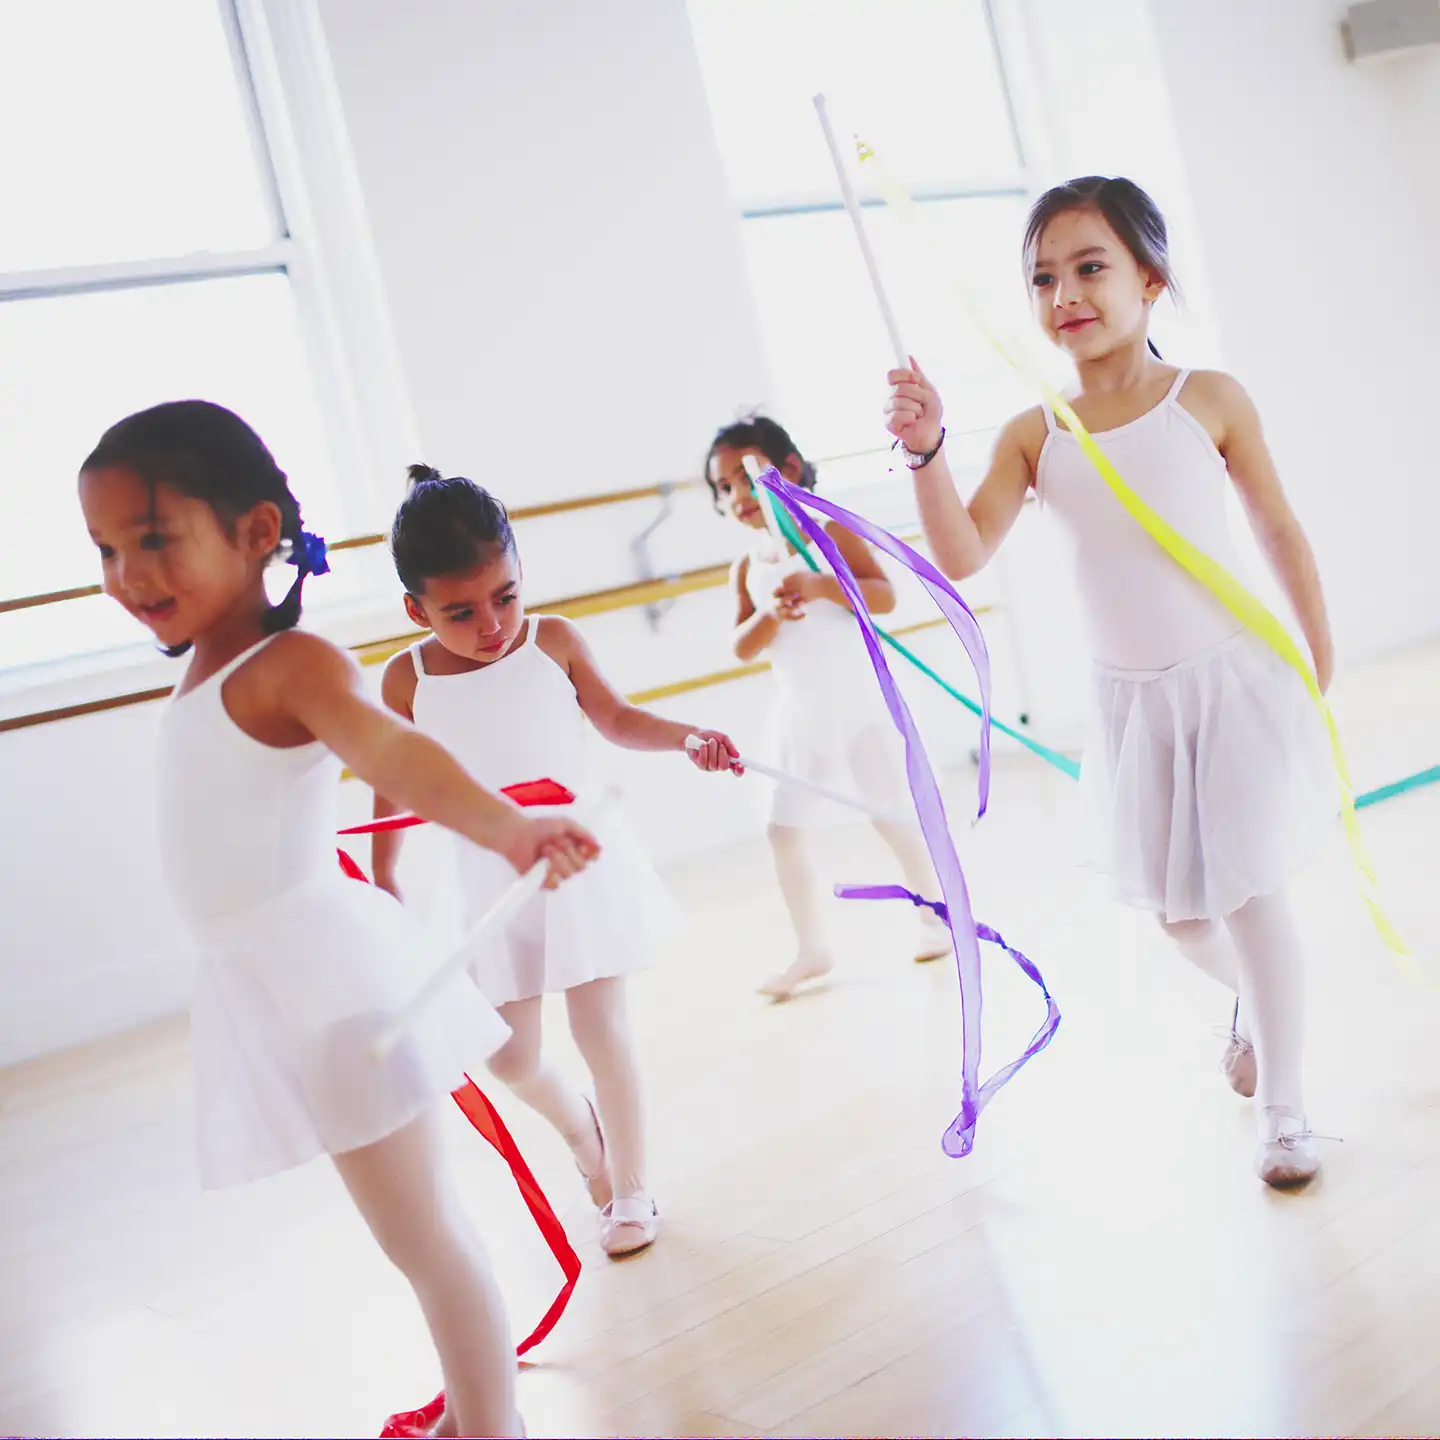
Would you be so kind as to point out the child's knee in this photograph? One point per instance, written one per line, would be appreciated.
(1186, 931)
(515, 1062)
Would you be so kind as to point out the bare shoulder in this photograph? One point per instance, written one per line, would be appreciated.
(296, 654)
(1221, 404)
(1215, 392)
(399, 683)
(1023, 435)
(558, 637)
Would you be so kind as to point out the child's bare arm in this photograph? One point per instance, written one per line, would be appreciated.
(613, 715)
(754, 629)
(1276, 527)
(962, 538)
(318, 686)
(809, 585)
(397, 690)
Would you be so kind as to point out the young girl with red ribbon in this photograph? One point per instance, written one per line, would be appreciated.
(511, 695)
(300, 969)
(1207, 779)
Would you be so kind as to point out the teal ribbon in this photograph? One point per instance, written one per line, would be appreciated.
(793, 536)
(788, 529)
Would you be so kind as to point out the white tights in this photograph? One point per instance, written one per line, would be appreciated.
(880, 784)
(600, 1024)
(402, 1187)
(1255, 954)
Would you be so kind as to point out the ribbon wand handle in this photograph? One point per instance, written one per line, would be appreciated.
(784, 777)
(524, 888)
(852, 207)
(754, 469)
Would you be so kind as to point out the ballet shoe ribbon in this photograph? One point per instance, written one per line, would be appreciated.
(954, 908)
(1246, 607)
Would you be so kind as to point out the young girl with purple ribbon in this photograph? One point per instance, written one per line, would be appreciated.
(830, 724)
(1207, 779)
(301, 969)
(515, 696)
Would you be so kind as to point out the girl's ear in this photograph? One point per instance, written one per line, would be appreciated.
(793, 468)
(415, 611)
(259, 530)
(1155, 285)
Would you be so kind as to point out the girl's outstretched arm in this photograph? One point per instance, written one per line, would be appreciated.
(317, 687)
(1247, 456)
(613, 715)
(961, 537)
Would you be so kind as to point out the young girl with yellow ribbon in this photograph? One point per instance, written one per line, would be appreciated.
(1209, 779)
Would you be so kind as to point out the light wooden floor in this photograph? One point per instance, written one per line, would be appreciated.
(1105, 1263)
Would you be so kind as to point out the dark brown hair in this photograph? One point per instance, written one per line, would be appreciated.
(208, 453)
(445, 526)
(757, 432)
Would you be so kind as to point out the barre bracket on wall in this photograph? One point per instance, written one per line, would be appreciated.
(655, 610)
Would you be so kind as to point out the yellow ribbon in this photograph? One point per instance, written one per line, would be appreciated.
(1250, 611)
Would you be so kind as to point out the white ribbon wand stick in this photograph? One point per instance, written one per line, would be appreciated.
(852, 206)
(525, 888)
(754, 469)
(886, 817)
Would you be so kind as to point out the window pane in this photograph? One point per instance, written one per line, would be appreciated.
(125, 134)
(918, 78)
(826, 344)
(70, 367)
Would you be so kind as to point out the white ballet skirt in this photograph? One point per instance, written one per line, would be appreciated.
(515, 720)
(299, 967)
(1207, 777)
(829, 723)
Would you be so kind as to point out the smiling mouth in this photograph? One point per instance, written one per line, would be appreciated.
(157, 613)
(1070, 325)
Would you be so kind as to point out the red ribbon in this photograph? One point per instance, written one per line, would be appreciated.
(528, 792)
(478, 1110)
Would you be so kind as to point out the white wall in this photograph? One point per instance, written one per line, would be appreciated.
(554, 234)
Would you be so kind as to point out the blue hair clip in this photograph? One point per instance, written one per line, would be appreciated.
(308, 553)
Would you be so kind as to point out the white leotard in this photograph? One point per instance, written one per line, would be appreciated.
(1143, 612)
(514, 720)
(298, 966)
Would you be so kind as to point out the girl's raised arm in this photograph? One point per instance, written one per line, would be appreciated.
(962, 538)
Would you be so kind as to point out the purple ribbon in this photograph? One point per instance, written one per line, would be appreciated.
(959, 1138)
(1043, 1035)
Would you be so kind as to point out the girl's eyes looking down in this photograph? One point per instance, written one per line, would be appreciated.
(152, 540)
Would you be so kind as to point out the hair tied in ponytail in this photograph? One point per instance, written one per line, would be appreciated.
(307, 555)
(422, 475)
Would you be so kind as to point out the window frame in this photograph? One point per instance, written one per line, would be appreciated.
(323, 247)
(1025, 116)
